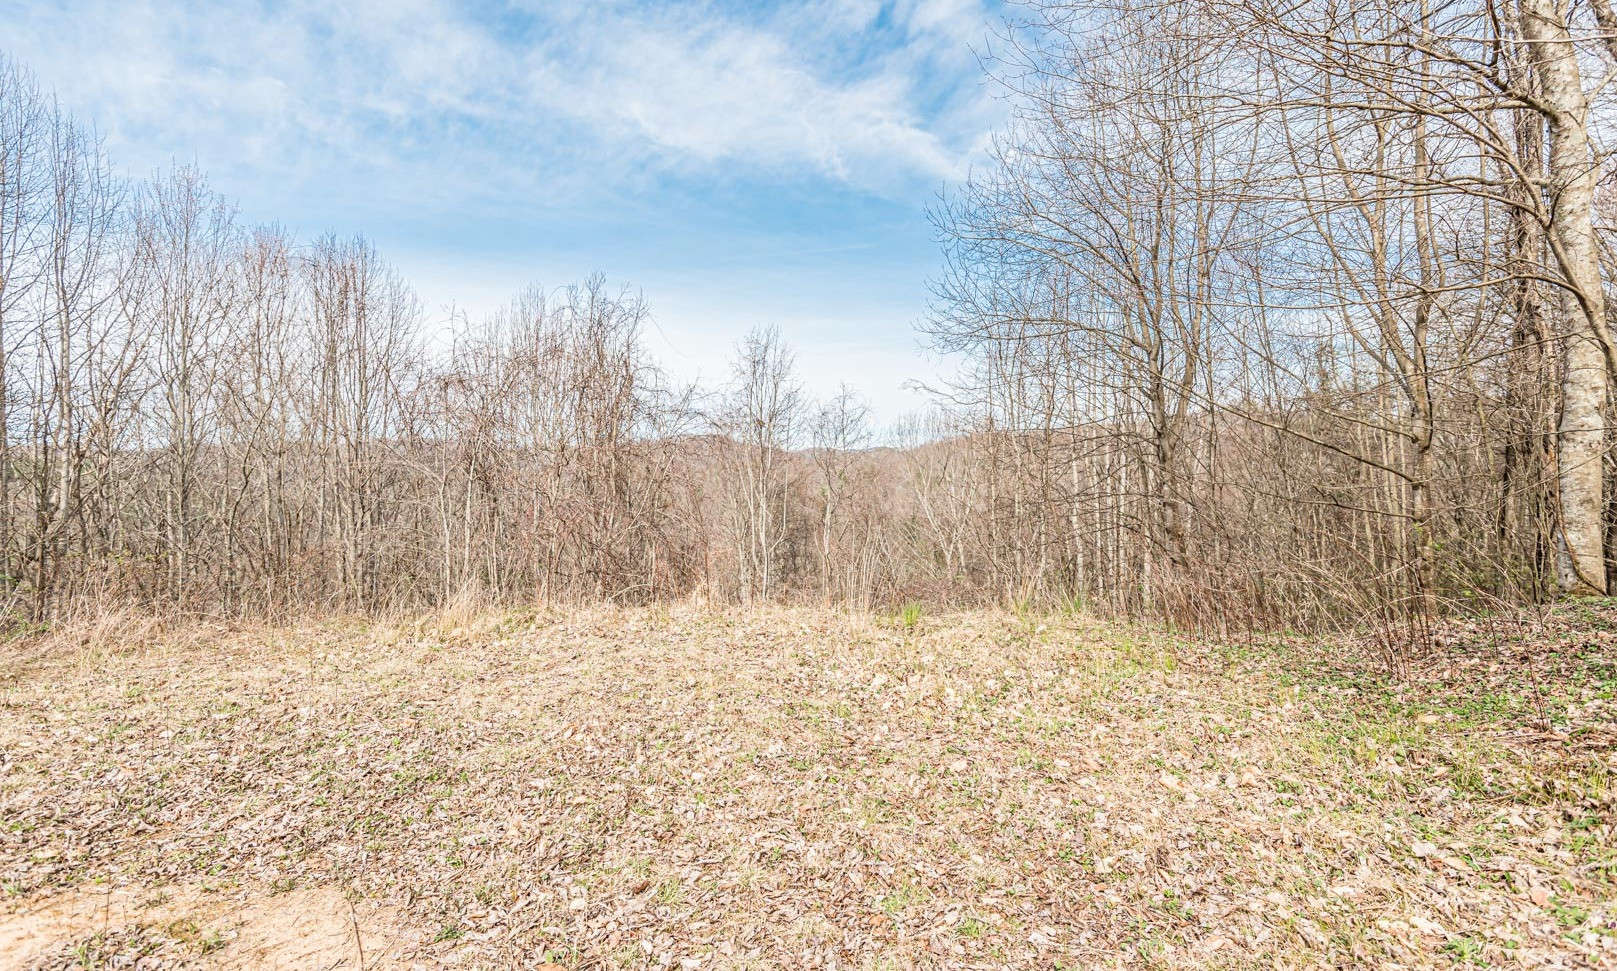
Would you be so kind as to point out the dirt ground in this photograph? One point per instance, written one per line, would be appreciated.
(112, 926)
(689, 788)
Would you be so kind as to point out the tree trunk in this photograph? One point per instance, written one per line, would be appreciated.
(1581, 565)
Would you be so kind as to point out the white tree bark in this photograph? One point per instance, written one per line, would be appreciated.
(1580, 564)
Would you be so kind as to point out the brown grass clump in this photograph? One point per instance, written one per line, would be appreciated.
(677, 787)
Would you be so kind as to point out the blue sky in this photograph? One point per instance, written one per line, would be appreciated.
(740, 163)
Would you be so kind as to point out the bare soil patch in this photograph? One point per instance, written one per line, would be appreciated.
(180, 926)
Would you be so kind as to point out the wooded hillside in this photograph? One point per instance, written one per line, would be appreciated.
(1263, 314)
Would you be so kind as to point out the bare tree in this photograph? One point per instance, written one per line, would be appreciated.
(760, 415)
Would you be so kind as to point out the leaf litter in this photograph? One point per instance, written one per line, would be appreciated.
(686, 787)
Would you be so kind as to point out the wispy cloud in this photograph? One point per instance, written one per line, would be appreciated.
(547, 88)
(706, 90)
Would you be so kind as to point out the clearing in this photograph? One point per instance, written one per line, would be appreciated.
(684, 787)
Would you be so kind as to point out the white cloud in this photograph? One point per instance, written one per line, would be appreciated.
(710, 91)
(288, 87)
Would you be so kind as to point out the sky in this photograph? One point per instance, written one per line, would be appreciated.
(740, 164)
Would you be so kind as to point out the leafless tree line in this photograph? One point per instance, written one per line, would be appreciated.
(206, 416)
(1265, 314)
(1294, 312)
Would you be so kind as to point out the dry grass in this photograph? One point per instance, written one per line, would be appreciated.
(684, 788)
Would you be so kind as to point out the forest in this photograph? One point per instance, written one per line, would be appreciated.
(1261, 316)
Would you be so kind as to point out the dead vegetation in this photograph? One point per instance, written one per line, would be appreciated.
(683, 788)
